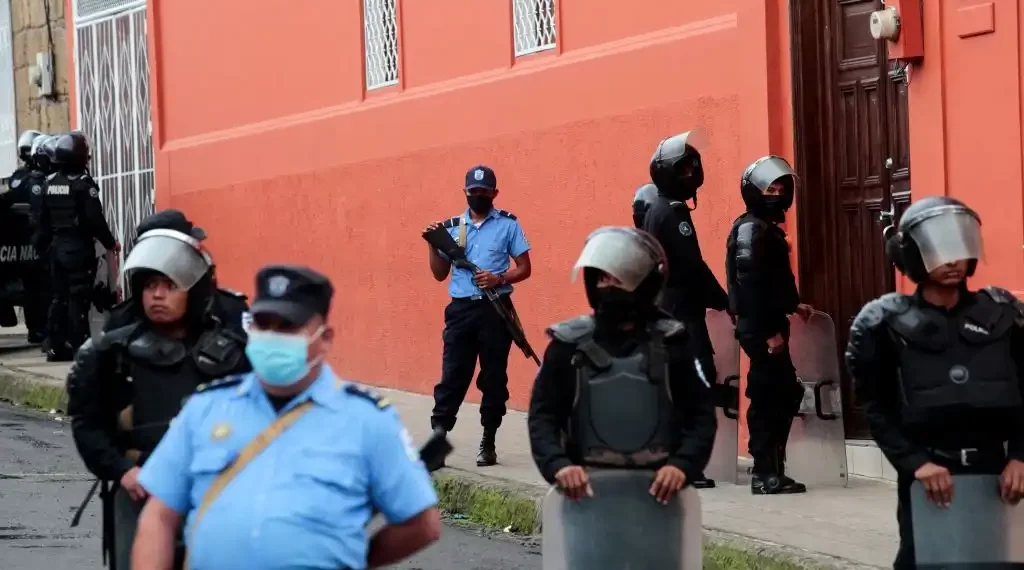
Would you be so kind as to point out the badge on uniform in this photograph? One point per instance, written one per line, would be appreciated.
(37, 189)
(686, 229)
(94, 192)
(478, 175)
(220, 432)
(246, 321)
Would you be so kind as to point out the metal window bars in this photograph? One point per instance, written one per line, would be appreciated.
(380, 25)
(535, 25)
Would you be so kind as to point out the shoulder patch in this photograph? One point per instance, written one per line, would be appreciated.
(508, 215)
(572, 330)
(233, 293)
(669, 328)
(452, 222)
(94, 192)
(225, 382)
(369, 394)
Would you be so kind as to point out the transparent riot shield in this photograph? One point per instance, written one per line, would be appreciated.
(816, 454)
(104, 294)
(621, 527)
(723, 465)
(976, 529)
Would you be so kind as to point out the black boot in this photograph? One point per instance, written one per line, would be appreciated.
(789, 485)
(702, 482)
(488, 455)
(435, 427)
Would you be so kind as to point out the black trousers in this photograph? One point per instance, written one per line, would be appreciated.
(700, 344)
(473, 329)
(72, 276)
(37, 295)
(775, 395)
(906, 559)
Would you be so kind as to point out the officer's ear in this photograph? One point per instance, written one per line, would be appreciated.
(494, 194)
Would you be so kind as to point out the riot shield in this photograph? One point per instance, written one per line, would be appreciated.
(723, 465)
(816, 454)
(976, 529)
(104, 295)
(621, 527)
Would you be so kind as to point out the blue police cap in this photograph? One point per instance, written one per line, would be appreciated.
(481, 176)
(292, 293)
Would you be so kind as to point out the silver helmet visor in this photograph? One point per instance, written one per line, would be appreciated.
(171, 253)
(619, 252)
(949, 237)
(769, 169)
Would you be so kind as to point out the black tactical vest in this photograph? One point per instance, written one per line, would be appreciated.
(61, 203)
(164, 372)
(623, 412)
(963, 362)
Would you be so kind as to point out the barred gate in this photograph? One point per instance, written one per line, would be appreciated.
(112, 81)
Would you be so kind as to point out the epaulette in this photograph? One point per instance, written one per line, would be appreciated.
(1005, 297)
(233, 293)
(219, 383)
(452, 222)
(508, 215)
(368, 393)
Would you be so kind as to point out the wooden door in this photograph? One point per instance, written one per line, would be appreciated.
(854, 160)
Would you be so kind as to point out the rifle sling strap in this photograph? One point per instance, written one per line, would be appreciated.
(462, 233)
(248, 453)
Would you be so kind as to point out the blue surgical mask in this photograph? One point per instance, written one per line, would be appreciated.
(279, 359)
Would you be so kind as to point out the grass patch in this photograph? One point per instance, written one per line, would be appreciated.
(723, 556)
(26, 390)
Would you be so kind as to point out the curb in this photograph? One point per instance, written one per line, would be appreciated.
(26, 388)
(516, 508)
(494, 503)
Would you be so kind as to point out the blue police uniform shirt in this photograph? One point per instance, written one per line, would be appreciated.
(305, 501)
(489, 245)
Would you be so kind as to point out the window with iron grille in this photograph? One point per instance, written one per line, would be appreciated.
(534, 22)
(380, 25)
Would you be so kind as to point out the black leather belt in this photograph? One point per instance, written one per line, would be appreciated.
(969, 456)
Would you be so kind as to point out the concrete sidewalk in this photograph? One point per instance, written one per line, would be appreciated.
(853, 527)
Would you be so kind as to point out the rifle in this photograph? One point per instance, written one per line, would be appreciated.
(440, 239)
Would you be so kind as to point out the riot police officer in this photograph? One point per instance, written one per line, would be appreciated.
(126, 386)
(230, 306)
(677, 172)
(73, 216)
(605, 375)
(19, 231)
(762, 295)
(642, 200)
(939, 372)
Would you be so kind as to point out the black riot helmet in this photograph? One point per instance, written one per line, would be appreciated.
(676, 168)
(179, 257)
(762, 174)
(642, 200)
(42, 153)
(25, 145)
(638, 265)
(932, 232)
(72, 152)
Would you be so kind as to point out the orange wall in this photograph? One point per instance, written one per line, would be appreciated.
(266, 137)
(965, 123)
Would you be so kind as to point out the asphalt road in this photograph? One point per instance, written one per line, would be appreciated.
(42, 482)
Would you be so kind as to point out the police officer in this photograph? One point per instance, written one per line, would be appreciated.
(939, 372)
(231, 307)
(73, 216)
(302, 498)
(677, 172)
(20, 231)
(472, 327)
(125, 387)
(762, 293)
(642, 200)
(605, 374)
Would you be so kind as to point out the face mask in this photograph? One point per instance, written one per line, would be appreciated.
(480, 204)
(614, 304)
(772, 208)
(279, 359)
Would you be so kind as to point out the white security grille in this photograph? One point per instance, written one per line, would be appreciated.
(380, 24)
(535, 25)
(112, 71)
(8, 100)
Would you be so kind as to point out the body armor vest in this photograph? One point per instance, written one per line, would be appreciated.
(164, 372)
(954, 363)
(623, 411)
(61, 202)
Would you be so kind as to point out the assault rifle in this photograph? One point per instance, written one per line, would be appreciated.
(440, 239)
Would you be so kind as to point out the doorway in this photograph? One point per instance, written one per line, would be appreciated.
(853, 158)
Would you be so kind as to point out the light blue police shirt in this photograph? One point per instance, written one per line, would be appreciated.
(490, 246)
(303, 502)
